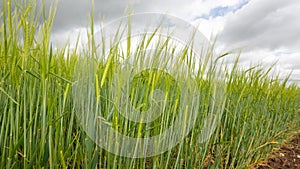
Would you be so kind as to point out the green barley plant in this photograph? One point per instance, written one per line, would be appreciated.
(42, 127)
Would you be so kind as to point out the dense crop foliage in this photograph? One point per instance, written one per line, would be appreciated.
(39, 126)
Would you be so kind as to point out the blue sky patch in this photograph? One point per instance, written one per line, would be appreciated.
(223, 10)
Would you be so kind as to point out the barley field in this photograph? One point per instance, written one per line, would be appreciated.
(43, 120)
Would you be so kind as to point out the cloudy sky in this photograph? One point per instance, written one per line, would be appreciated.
(267, 31)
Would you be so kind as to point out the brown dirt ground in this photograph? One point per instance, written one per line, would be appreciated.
(287, 157)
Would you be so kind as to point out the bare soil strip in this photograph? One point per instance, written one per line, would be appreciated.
(287, 157)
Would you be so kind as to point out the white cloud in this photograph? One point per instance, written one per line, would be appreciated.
(271, 24)
(210, 27)
(267, 30)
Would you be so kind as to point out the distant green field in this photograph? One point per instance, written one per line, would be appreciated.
(41, 110)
